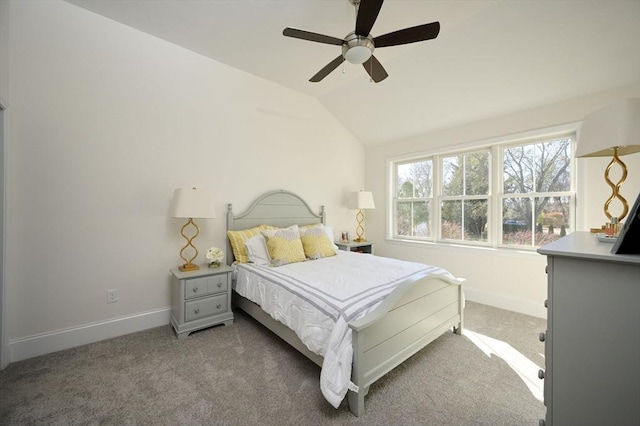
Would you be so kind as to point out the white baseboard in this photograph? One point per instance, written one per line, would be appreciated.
(504, 302)
(41, 344)
(32, 346)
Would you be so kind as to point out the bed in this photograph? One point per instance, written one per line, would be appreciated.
(416, 310)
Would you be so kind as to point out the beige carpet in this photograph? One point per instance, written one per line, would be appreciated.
(244, 375)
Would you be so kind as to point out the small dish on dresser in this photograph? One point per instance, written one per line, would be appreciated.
(604, 238)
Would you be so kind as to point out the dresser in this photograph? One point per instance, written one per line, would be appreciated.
(592, 341)
(200, 299)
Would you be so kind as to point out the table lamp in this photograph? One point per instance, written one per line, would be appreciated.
(361, 200)
(191, 203)
(612, 132)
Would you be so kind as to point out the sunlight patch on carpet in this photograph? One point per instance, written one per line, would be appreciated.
(526, 369)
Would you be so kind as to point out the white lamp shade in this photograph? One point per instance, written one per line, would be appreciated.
(192, 203)
(617, 125)
(361, 200)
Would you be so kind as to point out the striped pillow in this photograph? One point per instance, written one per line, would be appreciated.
(238, 238)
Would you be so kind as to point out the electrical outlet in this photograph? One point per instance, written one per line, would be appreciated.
(112, 295)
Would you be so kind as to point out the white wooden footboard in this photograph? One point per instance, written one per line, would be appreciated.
(415, 314)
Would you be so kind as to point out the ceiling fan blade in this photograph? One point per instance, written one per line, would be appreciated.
(408, 35)
(306, 35)
(367, 14)
(375, 69)
(327, 69)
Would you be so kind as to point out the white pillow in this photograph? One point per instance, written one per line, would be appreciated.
(329, 231)
(257, 250)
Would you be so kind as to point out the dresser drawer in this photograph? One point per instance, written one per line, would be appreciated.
(199, 287)
(206, 307)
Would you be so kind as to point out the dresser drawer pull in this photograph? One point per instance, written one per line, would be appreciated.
(540, 374)
(542, 337)
(218, 306)
(219, 285)
(195, 289)
(197, 311)
(546, 303)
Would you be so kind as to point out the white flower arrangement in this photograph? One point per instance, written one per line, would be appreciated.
(214, 256)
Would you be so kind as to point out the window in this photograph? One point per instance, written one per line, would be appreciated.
(505, 194)
(465, 196)
(414, 187)
(536, 200)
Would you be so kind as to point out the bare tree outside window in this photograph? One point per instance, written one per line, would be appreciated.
(536, 186)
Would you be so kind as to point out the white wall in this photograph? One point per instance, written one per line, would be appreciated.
(505, 278)
(105, 122)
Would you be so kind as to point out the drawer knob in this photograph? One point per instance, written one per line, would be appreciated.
(540, 374)
(218, 306)
(219, 285)
(542, 337)
(195, 289)
(546, 303)
(197, 311)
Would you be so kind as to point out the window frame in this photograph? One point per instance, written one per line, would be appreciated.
(495, 195)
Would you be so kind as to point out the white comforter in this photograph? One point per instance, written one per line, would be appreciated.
(318, 298)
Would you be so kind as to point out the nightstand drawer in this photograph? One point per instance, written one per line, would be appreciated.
(205, 307)
(199, 287)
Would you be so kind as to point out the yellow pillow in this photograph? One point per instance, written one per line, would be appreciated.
(284, 245)
(237, 240)
(316, 242)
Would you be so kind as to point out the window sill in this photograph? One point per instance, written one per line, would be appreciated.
(468, 248)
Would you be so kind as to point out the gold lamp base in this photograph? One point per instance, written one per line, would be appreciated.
(615, 188)
(188, 266)
(360, 228)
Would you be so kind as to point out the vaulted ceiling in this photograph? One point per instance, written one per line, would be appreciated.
(491, 57)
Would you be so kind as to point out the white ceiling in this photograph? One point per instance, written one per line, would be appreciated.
(491, 57)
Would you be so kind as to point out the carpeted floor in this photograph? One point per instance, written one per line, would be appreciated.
(244, 375)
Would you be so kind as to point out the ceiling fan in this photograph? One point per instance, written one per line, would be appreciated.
(358, 45)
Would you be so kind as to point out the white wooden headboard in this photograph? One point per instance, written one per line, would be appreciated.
(277, 208)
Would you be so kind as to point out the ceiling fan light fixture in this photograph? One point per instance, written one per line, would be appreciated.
(358, 54)
(357, 49)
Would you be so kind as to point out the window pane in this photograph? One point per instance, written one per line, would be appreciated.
(553, 166)
(476, 173)
(414, 180)
(475, 220)
(451, 224)
(412, 219)
(517, 169)
(452, 175)
(516, 224)
(552, 219)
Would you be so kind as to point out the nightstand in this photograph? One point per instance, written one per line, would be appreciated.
(200, 299)
(365, 247)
